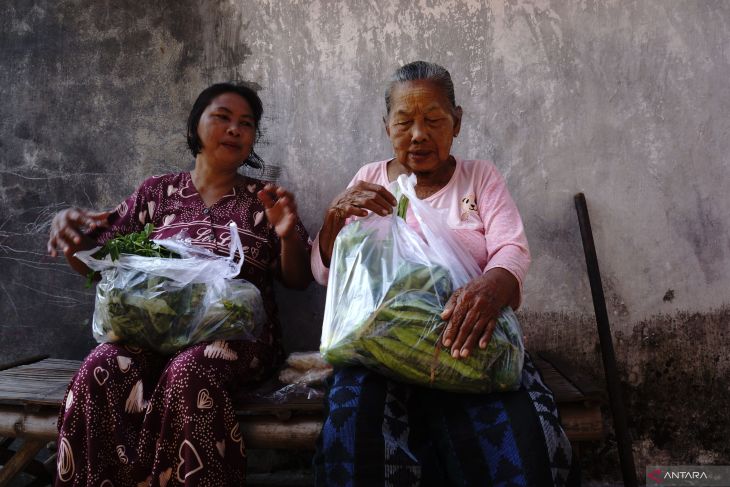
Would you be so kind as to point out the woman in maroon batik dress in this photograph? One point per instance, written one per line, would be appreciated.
(133, 417)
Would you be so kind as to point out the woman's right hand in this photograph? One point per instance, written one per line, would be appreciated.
(354, 201)
(363, 196)
(68, 230)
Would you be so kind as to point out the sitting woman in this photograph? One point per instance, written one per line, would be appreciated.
(133, 417)
(382, 432)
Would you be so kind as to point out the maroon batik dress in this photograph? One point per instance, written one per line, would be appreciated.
(133, 417)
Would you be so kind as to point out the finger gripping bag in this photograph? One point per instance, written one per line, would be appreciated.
(165, 304)
(387, 288)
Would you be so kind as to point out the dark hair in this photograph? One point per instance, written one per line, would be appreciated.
(422, 70)
(206, 97)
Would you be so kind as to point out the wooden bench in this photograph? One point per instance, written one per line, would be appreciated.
(31, 395)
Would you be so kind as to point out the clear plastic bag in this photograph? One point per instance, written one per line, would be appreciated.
(165, 304)
(307, 368)
(300, 383)
(387, 287)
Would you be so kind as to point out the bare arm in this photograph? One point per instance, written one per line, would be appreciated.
(295, 269)
(281, 211)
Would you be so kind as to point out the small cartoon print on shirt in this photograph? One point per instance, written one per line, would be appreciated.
(468, 206)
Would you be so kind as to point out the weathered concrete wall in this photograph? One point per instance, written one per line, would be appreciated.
(624, 100)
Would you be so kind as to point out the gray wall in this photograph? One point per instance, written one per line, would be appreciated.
(624, 100)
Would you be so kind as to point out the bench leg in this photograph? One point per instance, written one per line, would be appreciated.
(25, 454)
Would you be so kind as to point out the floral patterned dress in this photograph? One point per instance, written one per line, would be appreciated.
(136, 418)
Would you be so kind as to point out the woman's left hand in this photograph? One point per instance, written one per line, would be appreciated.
(281, 209)
(471, 312)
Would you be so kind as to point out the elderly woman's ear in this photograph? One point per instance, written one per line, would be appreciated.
(458, 113)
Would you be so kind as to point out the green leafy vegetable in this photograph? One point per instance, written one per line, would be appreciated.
(158, 313)
(137, 243)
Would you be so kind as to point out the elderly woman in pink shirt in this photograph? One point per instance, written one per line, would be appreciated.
(382, 432)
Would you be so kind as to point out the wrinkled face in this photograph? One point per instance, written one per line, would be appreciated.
(227, 130)
(421, 125)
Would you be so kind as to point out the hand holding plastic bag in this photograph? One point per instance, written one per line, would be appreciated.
(386, 290)
(165, 304)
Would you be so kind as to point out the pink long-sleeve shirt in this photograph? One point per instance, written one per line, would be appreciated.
(481, 213)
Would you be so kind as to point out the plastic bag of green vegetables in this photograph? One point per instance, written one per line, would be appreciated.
(164, 295)
(387, 288)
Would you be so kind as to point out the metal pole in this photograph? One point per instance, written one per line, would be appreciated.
(625, 453)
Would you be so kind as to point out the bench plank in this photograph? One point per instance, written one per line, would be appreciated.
(40, 383)
(563, 389)
(31, 394)
(577, 378)
(45, 382)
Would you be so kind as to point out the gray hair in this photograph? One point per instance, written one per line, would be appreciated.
(422, 70)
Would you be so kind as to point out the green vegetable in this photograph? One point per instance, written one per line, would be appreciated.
(400, 336)
(402, 207)
(161, 314)
(137, 243)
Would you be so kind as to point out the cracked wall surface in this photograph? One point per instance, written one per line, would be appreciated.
(626, 101)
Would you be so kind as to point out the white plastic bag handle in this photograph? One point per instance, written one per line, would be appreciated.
(235, 245)
(460, 263)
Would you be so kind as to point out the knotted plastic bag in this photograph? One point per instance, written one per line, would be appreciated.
(388, 286)
(164, 304)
